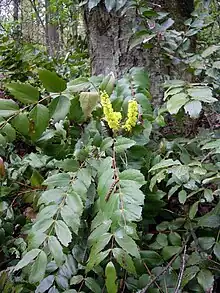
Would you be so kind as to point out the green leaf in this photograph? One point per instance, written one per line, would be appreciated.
(175, 239)
(176, 102)
(25, 93)
(36, 179)
(169, 251)
(59, 108)
(68, 165)
(206, 242)
(127, 243)
(92, 285)
(120, 4)
(193, 108)
(189, 274)
(210, 50)
(21, 123)
(76, 280)
(164, 164)
(56, 250)
(193, 210)
(162, 239)
(96, 259)
(152, 258)
(182, 196)
(100, 243)
(88, 102)
(132, 175)
(39, 119)
(93, 3)
(8, 107)
(72, 221)
(123, 143)
(100, 230)
(36, 239)
(124, 260)
(217, 250)
(77, 85)
(61, 179)
(106, 144)
(203, 94)
(42, 225)
(210, 221)
(45, 284)
(9, 132)
(206, 280)
(111, 278)
(51, 81)
(63, 232)
(28, 258)
(38, 268)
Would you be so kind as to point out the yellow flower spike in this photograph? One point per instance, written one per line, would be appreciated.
(113, 118)
(132, 115)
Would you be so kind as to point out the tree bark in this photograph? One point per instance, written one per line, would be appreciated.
(109, 35)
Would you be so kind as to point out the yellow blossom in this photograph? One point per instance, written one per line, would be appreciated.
(113, 118)
(132, 115)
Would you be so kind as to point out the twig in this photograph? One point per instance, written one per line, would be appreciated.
(165, 269)
(180, 277)
(149, 272)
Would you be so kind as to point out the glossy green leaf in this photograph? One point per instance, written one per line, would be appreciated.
(51, 81)
(21, 123)
(63, 232)
(123, 143)
(189, 274)
(127, 243)
(124, 260)
(169, 251)
(92, 285)
(59, 108)
(76, 280)
(193, 210)
(206, 280)
(38, 268)
(56, 250)
(23, 92)
(182, 195)
(8, 107)
(45, 284)
(39, 119)
(193, 108)
(61, 179)
(27, 258)
(111, 278)
(68, 165)
(176, 102)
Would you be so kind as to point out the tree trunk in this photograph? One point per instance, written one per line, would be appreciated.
(52, 33)
(109, 35)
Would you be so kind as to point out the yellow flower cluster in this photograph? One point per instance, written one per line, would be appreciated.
(132, 115)
(113, 118)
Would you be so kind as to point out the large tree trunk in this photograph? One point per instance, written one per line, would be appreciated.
(109, 35)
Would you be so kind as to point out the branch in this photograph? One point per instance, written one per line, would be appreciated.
(165, 269)
(37, 13)
(180, 277)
